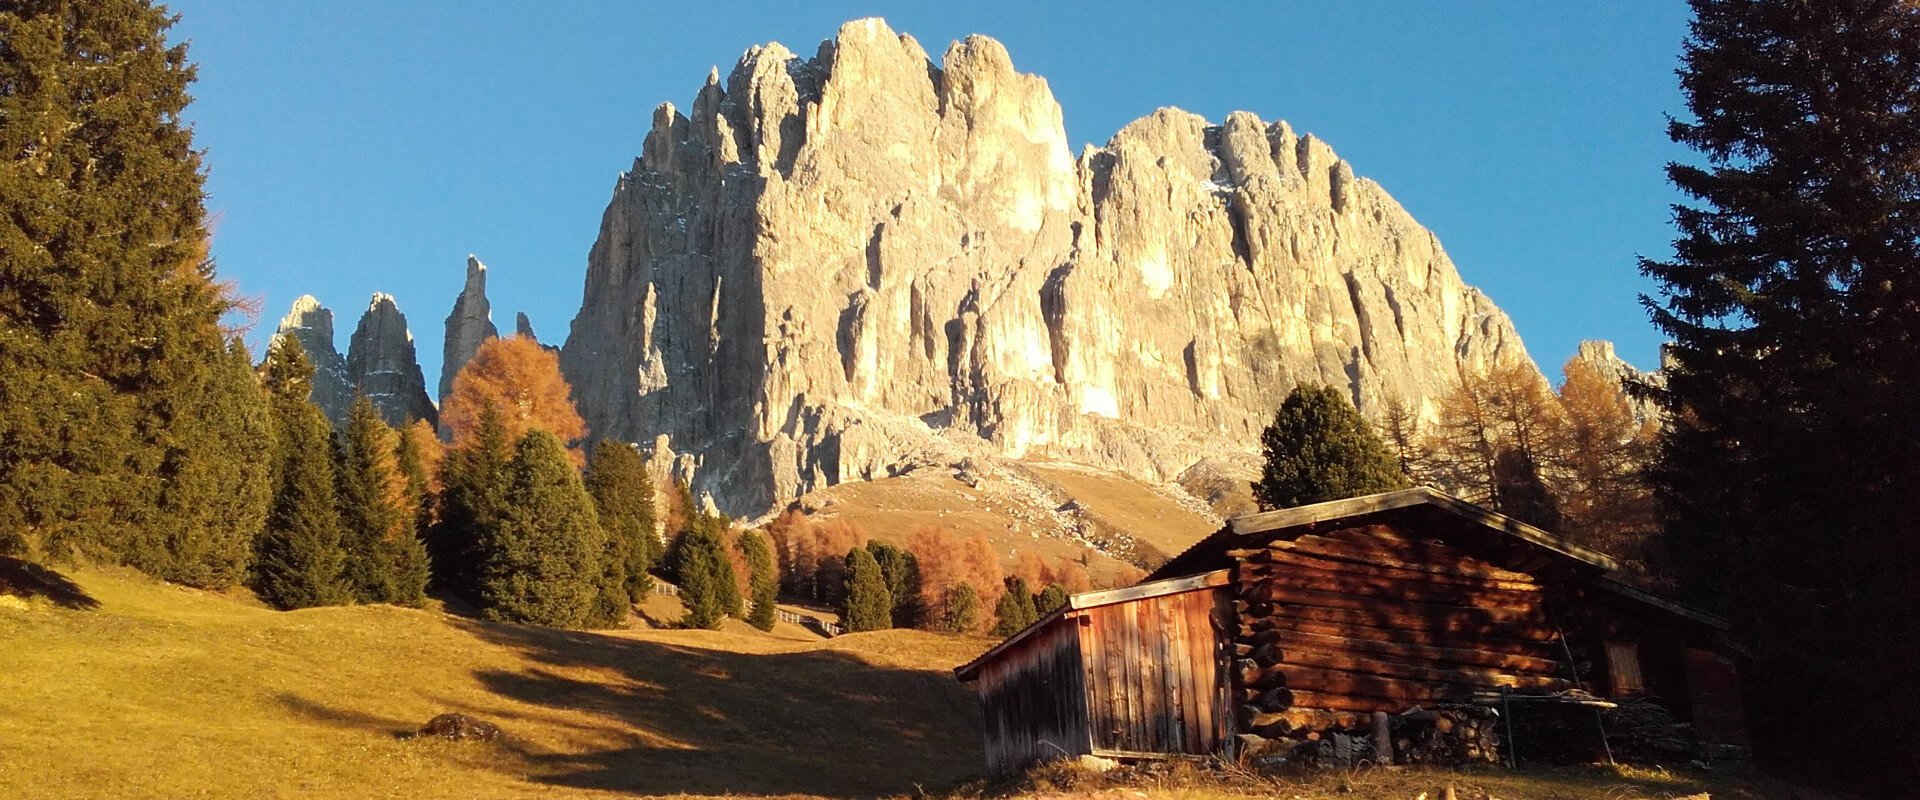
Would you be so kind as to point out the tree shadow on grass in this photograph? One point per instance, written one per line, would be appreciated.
(610, 713)
(29, 580)
(717, 722)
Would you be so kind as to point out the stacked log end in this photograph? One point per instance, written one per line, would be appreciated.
(1336, 628)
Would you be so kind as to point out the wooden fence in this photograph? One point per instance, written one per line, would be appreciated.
(808, 621)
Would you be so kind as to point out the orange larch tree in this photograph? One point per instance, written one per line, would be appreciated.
(522, 381)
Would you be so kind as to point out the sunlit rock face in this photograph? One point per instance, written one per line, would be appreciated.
(468, 326)
(382, 364)
(839, 267)
(312, 324)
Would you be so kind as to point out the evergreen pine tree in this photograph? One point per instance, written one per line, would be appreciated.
(472, 502)
(902, 573)
(543, 563)
(1788, 470)
(372, 512)
(417, 454)
(1318, 448)
(1052, 597)
(116, 371)
(623, 495)
(1015, 610)
(219, 480)
(868, 605)
(705, 573)
(765, 579)
(298, 558)
(961, 612)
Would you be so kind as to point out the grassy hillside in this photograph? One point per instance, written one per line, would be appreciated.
(114, 686)
(123, 687)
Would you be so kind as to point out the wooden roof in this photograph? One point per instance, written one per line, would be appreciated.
(1086, 600)
(1508, 541)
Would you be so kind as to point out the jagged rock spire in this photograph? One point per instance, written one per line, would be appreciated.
(382, 364)
(312, 324)
(468, 325)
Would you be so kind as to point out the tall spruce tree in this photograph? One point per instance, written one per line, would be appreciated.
(765, 579)
(543, 562)
(700, 563)
(417, 454)
(623, 495)
(1790, 467)
(472, 502)
(960, 612)
(385, 561)
(901, 571)
(299, 558)
(1015, 611)
(868, 605)
(1319, 448)
(110, 343)
(219, 481)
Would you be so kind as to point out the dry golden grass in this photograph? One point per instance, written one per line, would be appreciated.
(1182, 782)
(162, 691)
(115, 686)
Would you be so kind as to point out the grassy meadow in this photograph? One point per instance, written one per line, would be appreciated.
(113, 685)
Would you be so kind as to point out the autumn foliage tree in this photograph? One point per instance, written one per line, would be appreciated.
(519, 380)
(947, 563)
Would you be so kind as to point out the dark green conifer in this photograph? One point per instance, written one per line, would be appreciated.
(705, 573)
(868, 605)
(369, 514)
(219, 481)
(902, 573)
(472, 502)
(764, 579)
(298, 558)
(1318, 448)
(1015, 610)
(111, 350)
(1052, 597)
(961, 613)
(623, 495)
(1790, 466)
(543, 562)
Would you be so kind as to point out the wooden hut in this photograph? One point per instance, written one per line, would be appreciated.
(1296, 624)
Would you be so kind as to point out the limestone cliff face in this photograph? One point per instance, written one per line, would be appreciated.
(841, 267)
(382, 365)
(312, 324)
(468, 325)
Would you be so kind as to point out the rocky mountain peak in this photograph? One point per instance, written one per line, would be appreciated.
(311, 324)
(468, 325)
(382, 364)
(852, 265)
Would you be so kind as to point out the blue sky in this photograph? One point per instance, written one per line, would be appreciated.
(361, 147)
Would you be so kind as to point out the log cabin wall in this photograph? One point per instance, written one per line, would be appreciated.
(1035, 699)
(1338, 624)
(1155, 674)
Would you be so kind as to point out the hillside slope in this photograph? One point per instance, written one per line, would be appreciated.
(162, 691)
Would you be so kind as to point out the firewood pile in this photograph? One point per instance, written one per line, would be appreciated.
(1448, 736)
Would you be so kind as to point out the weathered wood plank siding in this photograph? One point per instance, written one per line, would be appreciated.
(1035, 699)
(1335, 625)
(1154, 675)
